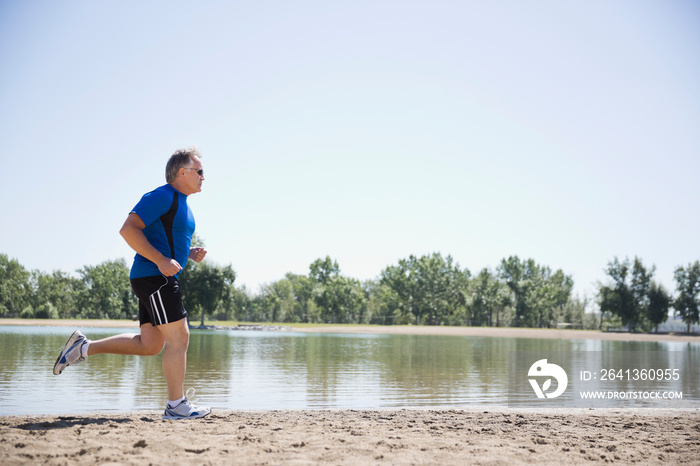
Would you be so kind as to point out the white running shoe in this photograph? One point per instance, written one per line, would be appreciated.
(71, 354)
(185, 409)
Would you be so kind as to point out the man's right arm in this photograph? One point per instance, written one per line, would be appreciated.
(132, 232)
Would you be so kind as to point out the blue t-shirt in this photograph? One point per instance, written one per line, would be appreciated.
(169, 228)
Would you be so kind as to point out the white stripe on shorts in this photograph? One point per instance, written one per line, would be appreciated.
(158, 311)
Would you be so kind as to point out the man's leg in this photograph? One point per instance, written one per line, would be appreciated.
(177, 340)
(175, 336)
(149, 343)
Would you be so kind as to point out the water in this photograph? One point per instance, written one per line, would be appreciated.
(276, 370)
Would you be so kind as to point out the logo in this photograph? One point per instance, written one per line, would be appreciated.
(543, 369)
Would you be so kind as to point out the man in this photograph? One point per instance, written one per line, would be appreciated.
(160, 230)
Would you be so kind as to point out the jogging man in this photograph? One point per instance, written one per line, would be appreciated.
(160, 230)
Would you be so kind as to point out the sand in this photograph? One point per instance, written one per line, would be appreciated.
(357, 437)
(471, 435)
(505, 332)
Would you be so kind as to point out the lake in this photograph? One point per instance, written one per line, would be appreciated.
(243, 370)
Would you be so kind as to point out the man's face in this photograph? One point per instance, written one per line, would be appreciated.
(193, 179)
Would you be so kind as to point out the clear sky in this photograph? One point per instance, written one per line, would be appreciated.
(563, 131)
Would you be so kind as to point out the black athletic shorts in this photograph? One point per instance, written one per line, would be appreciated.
(160, 300)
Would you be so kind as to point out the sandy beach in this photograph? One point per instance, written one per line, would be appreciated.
(465, 435)
(357, 437)
(503, 332)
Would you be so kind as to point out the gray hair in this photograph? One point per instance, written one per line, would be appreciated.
(180, 159)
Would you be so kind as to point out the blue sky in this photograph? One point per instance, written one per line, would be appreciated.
(566, 132)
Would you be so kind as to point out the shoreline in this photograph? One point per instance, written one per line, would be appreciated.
(477, 435)
(504, 332)
(494, 332)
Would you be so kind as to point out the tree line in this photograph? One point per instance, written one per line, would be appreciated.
(426, 290)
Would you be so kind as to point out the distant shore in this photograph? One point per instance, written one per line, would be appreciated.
(502, 332)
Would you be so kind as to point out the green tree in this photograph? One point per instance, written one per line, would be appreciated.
(401, 280)
(537, 293)
(46, 311)
(426, 289)
(627, 296)
(553, 293)
(687, 303)
(322, 272)
(658, 305)
(616, 299)
(205, 287)
(443, 287)
(489, 298)
(381, 303)
(305, 307)
(106, 292)
(347, 299)
(60, 290)
(512, 272)
(278, 301)
(573, 312)
(15, 289)
(640, 284)
(236, 304)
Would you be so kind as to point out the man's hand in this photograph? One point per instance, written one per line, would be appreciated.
(132, 232)
(169, 267)
(197, 254)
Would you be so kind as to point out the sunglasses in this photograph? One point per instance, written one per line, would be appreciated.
(199, 171)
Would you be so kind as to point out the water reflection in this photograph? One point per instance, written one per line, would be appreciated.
(277, 370)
